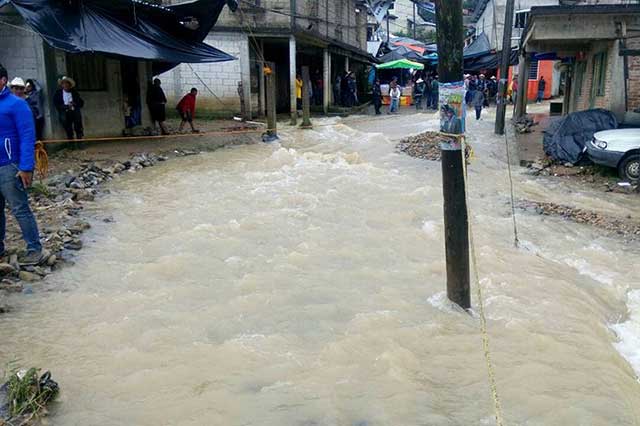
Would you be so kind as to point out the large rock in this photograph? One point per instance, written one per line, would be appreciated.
(28, 276)
(6, 269)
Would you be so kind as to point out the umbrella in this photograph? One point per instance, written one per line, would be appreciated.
(401, 64)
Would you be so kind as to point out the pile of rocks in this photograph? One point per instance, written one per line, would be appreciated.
(425, 145)
(56, 203)
(524, 124)
(625, 227)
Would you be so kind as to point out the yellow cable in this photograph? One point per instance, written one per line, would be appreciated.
(42, 161)
(481, 308)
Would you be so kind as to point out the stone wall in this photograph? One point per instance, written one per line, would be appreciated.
(217, 83)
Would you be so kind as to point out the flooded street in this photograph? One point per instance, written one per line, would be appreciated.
(302, 283)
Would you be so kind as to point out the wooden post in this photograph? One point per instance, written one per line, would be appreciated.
(450, 67)
(501, 109)
(306, 104)
(243, 105)
(270, 76)
(523, 86)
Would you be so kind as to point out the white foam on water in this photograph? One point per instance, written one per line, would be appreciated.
(430, 228)
(629, 332)
(584, 268)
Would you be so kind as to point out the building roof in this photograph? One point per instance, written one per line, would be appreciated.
(538, 12)
(481, 6)
(479, 47)
(594, 9)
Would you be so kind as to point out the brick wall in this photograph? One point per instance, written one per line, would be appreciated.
(221, 78)
(583, 102)
(634, 75)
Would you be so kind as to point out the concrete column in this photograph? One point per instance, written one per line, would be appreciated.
(263, 97)
(346, 63)
(327, 81)
(245, 75)
(292, 80)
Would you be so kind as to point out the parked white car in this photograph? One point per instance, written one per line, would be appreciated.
(618, 148)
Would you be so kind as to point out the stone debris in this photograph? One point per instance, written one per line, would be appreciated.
(604, 178)
(524, 124)
(57, 203)
(425, 145)
(626, 228)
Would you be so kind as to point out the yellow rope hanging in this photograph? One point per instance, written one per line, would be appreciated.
(42, 161)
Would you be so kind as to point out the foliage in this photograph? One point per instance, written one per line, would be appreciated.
(423, 35)
(28, 393)
(38, 188)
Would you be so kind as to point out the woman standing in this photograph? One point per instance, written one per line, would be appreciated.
(34, 99)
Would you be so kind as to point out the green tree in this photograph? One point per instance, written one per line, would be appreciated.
(423, 35)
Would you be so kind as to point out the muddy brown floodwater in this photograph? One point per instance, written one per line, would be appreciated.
(302, 283)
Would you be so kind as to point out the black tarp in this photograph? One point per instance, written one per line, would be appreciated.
(480, 47)
(488, 61)
(565, 139)
(127, 28)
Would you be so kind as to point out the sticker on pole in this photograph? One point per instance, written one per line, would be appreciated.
(452, 108)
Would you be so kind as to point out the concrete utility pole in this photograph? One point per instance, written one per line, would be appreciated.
(414, 19)
(269, 72)
(306, 104)
(501, 108)
(450, 67)
(292, 80)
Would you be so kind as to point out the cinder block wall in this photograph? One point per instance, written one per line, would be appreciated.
(218, 82)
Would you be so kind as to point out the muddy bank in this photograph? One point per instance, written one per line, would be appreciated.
(75, 179)
(590, 175)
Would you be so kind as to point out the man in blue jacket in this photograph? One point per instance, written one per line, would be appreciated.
(17, 139)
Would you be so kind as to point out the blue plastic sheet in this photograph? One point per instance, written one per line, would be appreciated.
(140, 30)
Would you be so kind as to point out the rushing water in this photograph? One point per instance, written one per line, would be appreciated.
(302, 283)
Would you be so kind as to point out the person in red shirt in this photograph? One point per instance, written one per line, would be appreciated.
(187, 109)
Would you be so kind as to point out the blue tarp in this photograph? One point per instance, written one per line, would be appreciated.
(167, 35)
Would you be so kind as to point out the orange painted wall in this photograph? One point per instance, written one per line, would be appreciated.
(545, 68)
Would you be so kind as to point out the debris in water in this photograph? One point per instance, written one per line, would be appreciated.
(426, 146)
(624, 227)
(24, 396)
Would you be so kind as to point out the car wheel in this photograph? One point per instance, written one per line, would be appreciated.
(629, 168)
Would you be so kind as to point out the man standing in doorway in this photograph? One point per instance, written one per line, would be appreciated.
(542, 84)
(17, 130)
(68, 102)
